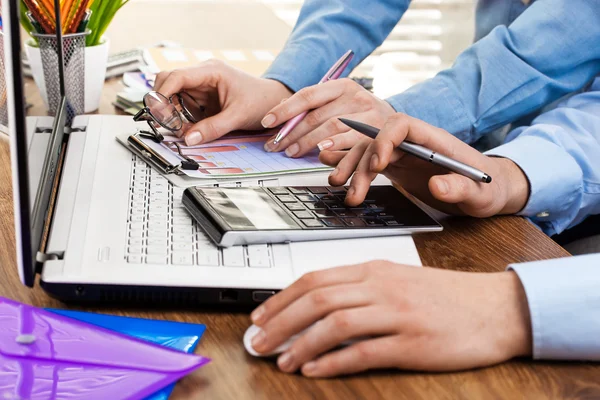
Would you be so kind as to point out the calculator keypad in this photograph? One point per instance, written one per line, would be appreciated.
(324, 207)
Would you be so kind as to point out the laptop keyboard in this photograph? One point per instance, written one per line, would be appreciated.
(160, 231)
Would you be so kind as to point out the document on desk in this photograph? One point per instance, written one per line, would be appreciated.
(235, 156)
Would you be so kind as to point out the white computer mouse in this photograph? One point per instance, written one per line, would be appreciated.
(253, 330)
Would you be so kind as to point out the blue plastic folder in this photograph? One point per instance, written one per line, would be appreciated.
(176, 335)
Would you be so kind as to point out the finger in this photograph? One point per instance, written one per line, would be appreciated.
(308, 282)
(160, 79)
(307, 310)
(347, 166)
(188, 78)
(306, 99)
(320, 135)
(331, 158)
(358, 357)
(361, 179)
(475, 198)
(400, 127)
(317, 123)
(341, 141)
(212, 128)
(337, 328)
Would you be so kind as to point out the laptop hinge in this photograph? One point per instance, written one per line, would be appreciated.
(76, 129)
(43, 257)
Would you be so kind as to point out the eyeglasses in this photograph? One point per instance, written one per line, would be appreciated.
(172, 113)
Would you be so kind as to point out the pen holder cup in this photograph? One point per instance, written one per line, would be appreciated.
(84, 68)
(3, 88)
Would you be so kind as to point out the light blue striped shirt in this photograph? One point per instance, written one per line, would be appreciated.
(525, 58)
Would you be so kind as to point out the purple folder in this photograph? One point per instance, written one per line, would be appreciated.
(46, 356)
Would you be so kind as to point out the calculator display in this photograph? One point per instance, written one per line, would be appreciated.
(248, 209)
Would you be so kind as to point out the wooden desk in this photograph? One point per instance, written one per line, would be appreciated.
(466, 244)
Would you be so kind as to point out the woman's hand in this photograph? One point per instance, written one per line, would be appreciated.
(409, 317)
(328, 101)
(233, 99)
(449, 192)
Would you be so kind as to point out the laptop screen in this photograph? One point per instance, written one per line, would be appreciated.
(35, 140)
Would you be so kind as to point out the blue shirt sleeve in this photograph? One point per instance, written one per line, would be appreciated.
(325, 30)
(560, 155)
(564, 304)
(550, 50)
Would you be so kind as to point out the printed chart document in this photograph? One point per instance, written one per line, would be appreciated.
(233, 156)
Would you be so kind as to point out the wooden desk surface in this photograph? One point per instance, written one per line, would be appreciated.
(466, 244)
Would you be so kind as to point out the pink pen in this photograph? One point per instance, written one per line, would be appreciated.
(333, 73)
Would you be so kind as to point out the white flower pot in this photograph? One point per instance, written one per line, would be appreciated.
(96, 60)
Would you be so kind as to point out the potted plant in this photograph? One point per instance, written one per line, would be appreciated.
(90, 18)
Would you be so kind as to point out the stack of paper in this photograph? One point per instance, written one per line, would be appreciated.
(137, 84)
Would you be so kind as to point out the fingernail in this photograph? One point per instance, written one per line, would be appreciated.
(325, 144)
(374, 162)
(259, 339)
(351, 192)
(292, 150)
(285, 361)
(268, 145)
(268, 120)
(443, 187)
(334, 172)
(309, 368)
(193, 138)
(282, 100)
(257, 314)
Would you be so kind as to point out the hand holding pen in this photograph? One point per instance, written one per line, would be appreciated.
(468, 191)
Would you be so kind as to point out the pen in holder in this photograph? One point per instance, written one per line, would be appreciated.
(45, 70)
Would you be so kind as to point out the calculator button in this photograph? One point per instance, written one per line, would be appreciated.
(312, 223)
(286, 199)
(324, 213)
(315, 206)
(383, 215)
(333, 222)
(330, 197)
(391, 222)
(295, 206)
(373, 207)
(338, 190)
(299, 190)
(360, 212)
(278, 190)
(318, 190)
(303, 214)
(306, 198)
(354, 222)
(373, 222)
(345, 213)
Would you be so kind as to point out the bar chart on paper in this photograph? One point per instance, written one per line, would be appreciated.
(241, 156)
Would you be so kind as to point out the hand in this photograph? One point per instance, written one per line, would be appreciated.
(233, 99)
(449, 192)
(328, 101)
(414, 318)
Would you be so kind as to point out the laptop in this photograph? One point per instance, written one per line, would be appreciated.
(97, 223)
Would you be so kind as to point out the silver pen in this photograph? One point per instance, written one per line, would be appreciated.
(424, 153)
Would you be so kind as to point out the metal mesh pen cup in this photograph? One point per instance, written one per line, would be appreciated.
(74, 69)
(3, 93)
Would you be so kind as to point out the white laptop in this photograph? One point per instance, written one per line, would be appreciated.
(117, 229)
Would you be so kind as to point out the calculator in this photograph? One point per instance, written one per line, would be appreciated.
(259, 215)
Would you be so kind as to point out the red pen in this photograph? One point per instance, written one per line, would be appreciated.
(334, 72)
